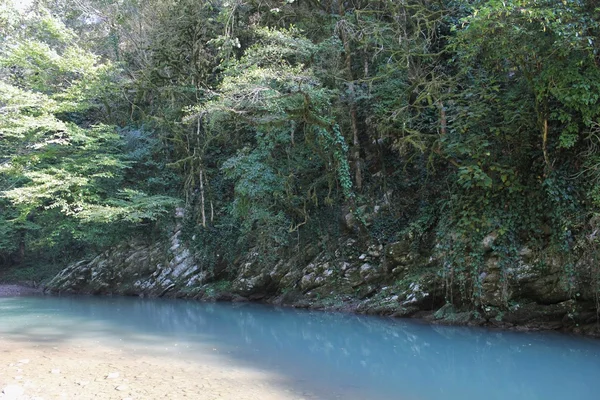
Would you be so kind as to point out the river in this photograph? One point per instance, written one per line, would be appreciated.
(299, 353)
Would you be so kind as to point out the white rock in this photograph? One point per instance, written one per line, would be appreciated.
(55, 371)
(365, 268)
(112, 375)
(12, 391)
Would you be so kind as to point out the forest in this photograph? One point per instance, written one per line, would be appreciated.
(278, 125)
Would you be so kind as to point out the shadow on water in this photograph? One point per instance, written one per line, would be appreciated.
(327, 353)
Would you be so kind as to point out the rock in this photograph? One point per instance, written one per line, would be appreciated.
(534, 315)
(540, 284)
(416, 294)
(350, 221)
(404, 312)
(401, 278)
(488, 242)
(133, 268)
(526, 253)
(55, 371)
(370, 273)
(121, 388)
(365, 269)
(253, 277)
(112, 375)
(495, 287)
(445, 311)
(375, 251)
(24, 361)
(12, 392)
(397, 249)
(399, 254)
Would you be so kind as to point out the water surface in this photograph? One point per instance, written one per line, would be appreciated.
(331, 355)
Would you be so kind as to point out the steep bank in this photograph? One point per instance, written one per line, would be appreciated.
(394, 280)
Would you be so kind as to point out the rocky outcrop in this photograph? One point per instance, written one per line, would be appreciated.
(396, 279)
(135, 268)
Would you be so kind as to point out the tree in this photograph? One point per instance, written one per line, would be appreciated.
(64, 173)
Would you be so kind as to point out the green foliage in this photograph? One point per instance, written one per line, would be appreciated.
(65, 179)
(289, 149)
(272, 119)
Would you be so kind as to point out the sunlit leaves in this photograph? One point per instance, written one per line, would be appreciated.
(57, 160)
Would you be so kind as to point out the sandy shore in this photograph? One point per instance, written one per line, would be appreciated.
(17, 290)
(91, 371)
(80, 369)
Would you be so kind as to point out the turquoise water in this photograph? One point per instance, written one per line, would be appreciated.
(332, 355)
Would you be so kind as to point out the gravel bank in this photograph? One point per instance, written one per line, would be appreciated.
(88, 370)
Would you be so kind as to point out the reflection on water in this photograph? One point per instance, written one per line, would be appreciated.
(363, 357)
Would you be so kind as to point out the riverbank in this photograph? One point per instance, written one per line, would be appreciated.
(89, 370)
(391, 280)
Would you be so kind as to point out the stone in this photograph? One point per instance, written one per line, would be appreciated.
(488, 242)
(545, 285)
(365, 269)
(350, 221)
(445, 311)
(399, 254)
(12, 391)
(112, 375)
(526, 253)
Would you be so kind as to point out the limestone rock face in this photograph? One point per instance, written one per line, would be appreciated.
(133, 269)
(546, 285)
(523, 282)
(397, 278)
(253, 278)
(494, 284)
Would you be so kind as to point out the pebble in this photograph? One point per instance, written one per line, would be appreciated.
(112, 375)
(55, 371)
(121, 388)
(13, 391)
(24, 361)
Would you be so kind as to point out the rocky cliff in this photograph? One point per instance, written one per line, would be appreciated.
(394, 280)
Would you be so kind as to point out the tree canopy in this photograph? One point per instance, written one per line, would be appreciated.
(270, 122)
